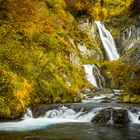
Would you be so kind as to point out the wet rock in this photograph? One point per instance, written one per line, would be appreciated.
(41, 110)
(103, 116)
(115, 116)
(78, 98)
(134, 110)
(120, 116)
(106, 100)
(89, 91)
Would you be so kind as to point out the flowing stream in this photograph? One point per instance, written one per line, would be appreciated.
(73, 122)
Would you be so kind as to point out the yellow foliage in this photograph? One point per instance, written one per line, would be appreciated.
(23, 95)
(95, 12)
(74, 90)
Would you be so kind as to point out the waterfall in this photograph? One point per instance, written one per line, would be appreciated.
(93, 76)
(92, 72)
(108, 42)
(28, 114)
(89, 74)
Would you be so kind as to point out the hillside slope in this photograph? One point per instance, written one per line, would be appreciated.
(40, 40)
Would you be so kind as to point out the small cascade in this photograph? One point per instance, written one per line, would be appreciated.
(108, 42)
(89, 74)
(99, 77)
(111, 118)
(64, 114)
(134, 117)
(28, 114)
(94, 77)
(101, 98)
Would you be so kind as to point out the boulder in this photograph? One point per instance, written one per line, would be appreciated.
(111, 115)
(102, 116)
(120, 116)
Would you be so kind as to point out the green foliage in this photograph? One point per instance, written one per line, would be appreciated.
(133, 86)
(122, 75)
(34, 56)
(14, 94)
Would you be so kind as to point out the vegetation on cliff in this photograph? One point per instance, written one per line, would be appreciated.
(34, 56)
(38, 62)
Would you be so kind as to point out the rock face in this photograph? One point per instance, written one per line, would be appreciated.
(111, 115)
(103, 116)
(131, 43)
(120, 116)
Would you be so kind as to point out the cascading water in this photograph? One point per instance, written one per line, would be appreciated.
(93, 76)
(63, 114)
(28, 114)
(89, 74)
(108, 42)
(92, 72)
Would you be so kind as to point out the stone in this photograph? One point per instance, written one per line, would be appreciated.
(116, 116)
(78, 98)
(103, 116)
(120, 116)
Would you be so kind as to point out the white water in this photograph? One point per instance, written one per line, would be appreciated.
(134, 117)
(101, 98)
(108, 42)
(28, 114)
(89, 74)
(32, 124)
(93, 75)
(92, 72)
(61, 115)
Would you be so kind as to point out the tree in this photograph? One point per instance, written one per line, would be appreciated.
(102, 3)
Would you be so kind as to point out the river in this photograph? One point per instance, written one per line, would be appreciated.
(72, 122)
(77, 131)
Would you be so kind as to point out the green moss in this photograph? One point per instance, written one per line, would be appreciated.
(131, 98)
(119, 73)
(133, 86)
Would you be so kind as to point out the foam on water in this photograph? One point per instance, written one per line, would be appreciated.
(32, 124)
(61, 115)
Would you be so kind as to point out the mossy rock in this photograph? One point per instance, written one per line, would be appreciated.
(131, 98)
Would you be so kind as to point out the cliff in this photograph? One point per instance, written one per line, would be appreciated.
(43, 45)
